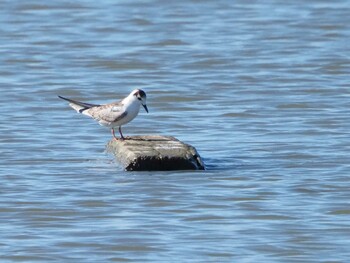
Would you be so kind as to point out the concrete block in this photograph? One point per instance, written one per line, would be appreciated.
(155, 153)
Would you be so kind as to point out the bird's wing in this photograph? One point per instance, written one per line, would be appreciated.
(112, 112)
(78, 105)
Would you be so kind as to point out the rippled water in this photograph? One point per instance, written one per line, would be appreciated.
(260, 89)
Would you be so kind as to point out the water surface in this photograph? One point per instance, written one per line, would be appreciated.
(260, 89)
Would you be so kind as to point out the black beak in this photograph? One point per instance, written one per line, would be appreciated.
(145, 106)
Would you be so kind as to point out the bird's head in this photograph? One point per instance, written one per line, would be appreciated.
(141, 97)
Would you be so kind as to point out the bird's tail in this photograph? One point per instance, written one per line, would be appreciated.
(78, 105)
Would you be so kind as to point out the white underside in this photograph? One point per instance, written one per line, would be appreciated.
(132, 111)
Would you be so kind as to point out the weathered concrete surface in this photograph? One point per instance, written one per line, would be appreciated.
(155, 153)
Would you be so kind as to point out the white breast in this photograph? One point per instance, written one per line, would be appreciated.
(132, 110)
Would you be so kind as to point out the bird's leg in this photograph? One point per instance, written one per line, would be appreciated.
(115, 138)
(120, 131)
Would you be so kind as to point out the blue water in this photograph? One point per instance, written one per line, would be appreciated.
(260, 89)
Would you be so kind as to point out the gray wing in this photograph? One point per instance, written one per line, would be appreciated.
(109, 113)
(78, 105)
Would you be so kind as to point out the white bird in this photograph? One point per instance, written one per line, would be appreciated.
(114, 114)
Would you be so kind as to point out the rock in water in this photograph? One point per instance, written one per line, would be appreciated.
(155, 153)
